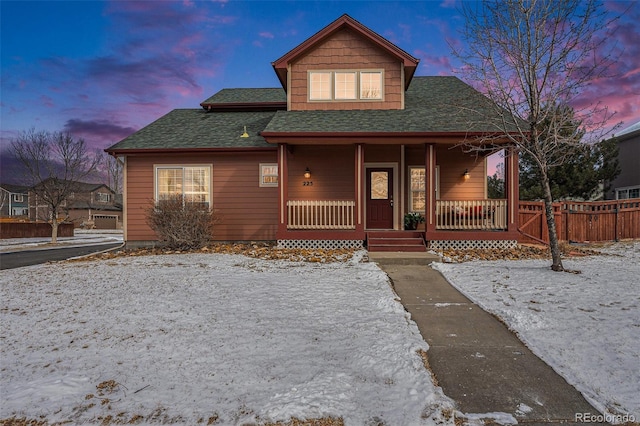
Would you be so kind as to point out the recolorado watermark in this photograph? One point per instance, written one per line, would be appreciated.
(602, 418)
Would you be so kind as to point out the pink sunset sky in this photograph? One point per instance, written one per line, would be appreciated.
(103, 69)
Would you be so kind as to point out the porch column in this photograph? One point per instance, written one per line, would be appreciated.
(359, 189)
(512, 189)
(430, 188)
(283, 193)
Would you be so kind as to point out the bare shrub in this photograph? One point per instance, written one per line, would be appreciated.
(181, 224)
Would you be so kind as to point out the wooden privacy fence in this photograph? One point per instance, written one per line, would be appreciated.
(33, 230)
(581, 221)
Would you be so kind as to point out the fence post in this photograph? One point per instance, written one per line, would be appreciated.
(615, 224)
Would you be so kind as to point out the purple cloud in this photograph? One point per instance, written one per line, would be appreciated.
(166, 53)
(97, 130)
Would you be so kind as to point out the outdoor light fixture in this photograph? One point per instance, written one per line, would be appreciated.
(307, 173)
(466, 174)
(245, 134)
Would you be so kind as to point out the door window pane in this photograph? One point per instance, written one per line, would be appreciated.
(379, 185)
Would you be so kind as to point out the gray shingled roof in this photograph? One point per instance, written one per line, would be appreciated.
(14, 189)
(236, 96)
(195, 128)
(432, 104)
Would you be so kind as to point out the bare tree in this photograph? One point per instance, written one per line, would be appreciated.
(4, 200)
(54, 165)
(533, 59)
(112, 168)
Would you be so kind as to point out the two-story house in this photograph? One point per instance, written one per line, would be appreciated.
(351, 142)
(90, 205)
(14, 200)
(627, 184)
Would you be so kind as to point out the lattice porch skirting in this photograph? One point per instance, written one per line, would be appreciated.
(471, 244)
(320, 244)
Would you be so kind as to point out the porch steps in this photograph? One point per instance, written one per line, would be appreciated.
(392, 241)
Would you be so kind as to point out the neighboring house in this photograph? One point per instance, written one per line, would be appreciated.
(351, 143)
(91, 205)
(14, 200)
(627, 184)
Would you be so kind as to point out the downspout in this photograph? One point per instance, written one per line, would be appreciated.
(402, 187)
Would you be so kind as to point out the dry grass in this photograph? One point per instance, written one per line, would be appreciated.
(326, 421)
(425, 362)
(520, 252)
(118, 420)
(257, 250)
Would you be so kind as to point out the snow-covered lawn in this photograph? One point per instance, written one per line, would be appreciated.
(199, 337)
(586, 326)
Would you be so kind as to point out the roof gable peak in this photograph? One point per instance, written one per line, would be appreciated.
(344, 21)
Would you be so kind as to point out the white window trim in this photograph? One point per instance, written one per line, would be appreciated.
(264, 184)
(332, 91)
(156, 167)
(18, 198)
(627, 189)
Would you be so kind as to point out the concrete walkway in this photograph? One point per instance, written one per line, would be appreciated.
(476, 360)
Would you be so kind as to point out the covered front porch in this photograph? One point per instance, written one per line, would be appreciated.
(335, 196)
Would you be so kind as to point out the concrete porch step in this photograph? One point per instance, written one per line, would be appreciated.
(395, 241)
(394, 234)
(396, 248)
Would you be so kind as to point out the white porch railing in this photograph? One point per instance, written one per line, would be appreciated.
(471, 214)
(323, 214)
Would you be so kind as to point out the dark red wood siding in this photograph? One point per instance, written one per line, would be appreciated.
(246, 210)
(346, 51)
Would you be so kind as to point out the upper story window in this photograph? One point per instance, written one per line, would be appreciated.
(320, 86)
(371, 85)
(101, 197)
(345, 85)
(18, 198)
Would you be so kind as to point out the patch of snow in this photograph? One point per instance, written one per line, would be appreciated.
(184, 338)
(585, 326)
(523, 409)
(80, 238)
(478, 419)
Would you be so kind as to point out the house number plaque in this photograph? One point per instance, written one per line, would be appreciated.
(307, 183)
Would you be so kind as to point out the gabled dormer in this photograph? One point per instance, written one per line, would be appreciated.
(345, 66)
